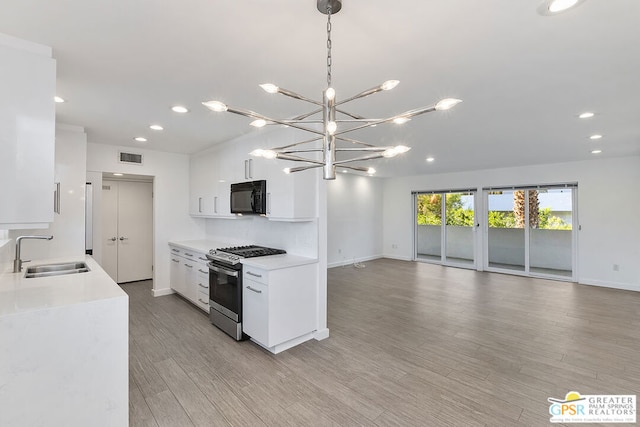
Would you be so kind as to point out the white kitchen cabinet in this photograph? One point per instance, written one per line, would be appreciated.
(291, 197)
(279, 306)
(202, 180)
(189, 275)
(27, 134)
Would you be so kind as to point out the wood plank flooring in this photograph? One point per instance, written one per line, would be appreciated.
(411, 344)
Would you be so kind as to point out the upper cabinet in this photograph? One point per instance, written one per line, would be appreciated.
(289, 197)
(27, 134)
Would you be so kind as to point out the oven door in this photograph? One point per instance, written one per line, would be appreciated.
(225, 289)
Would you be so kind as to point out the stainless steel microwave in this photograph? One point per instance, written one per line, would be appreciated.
(249, 197)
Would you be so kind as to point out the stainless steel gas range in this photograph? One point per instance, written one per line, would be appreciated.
(225, 285)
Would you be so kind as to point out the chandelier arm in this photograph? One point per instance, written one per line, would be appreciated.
(354, 141)
(354, 116)
(358, 159)
(254, 115)
(294, 95)
(361, 95)
(355, 168)
(302, 168)
(309, 150)
(293, 158)
(304, 116)
(364, 149)
(406, 114)
(284, 147)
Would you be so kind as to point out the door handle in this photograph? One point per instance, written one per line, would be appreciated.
(123, 238)
(113, 239)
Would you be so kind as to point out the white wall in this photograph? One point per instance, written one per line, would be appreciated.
(170, 203)
(68, 226)
(354, 205)
(607, 212)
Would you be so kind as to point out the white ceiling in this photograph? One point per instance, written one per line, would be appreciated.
(523, 77)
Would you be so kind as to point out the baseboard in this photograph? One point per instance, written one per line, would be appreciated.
(321, 334)
(398, 257)
(612, 285)
(351, 261)
(162, 292)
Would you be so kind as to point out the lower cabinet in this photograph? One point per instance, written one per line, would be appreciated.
(189, 275)
(279, 306)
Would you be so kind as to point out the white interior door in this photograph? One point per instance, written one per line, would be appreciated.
(127, 223)
(110, 228)
(135, 231)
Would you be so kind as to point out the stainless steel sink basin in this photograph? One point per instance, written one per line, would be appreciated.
(48, 270)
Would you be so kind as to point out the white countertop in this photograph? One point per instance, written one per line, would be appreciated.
(271, 262)
(277, 262)
(20, 295)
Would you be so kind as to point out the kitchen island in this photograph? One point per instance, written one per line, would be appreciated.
(63, 348)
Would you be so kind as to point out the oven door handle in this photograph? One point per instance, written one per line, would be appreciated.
(223, 270)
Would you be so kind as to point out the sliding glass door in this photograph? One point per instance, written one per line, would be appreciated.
(530, 231)
(445, 232)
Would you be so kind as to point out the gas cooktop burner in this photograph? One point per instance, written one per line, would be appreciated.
(234, 254)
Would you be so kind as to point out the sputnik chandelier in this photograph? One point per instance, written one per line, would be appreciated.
(333, 127)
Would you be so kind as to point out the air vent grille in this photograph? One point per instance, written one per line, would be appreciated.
(131, 158)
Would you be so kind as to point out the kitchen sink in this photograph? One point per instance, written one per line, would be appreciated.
(48, 270)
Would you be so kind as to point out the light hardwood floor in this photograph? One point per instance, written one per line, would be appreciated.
(411, 344)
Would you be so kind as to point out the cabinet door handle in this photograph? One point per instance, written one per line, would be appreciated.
(254, 274)
(188, 254)
(202, 271)
(203, 286)
(174, 260)
(257, 291)
(204, 302)
(123, 238)
(187, 265)
(246, 171)
(175, 250)
(250, 168)
(56, 199)
(113, 239)
(199, 204)
(215, 204)
(203, 259)
(268, 203)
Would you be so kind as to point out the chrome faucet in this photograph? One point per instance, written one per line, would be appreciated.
(17, 263)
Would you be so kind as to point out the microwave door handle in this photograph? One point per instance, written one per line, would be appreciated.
(253, 200)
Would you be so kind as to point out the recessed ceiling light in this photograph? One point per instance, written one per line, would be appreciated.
(586, 115)
(140, 139)
(430, 159)
(118, 174)
(595, 136)
(179, 109)
(596, 151)
(554, 7)
(156, 127)
(58, 99)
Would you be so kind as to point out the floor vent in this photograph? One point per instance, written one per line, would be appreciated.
(131, 158)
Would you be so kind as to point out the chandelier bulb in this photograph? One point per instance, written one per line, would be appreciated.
(402, 149)
(330, 93)
(371, 171)
(286, 170)
(269, 154)
(269, 88)
(401, 120)
(332, 127)
(561, 5)
(389, 84)
(216, 106)
(447, 103)
(256, 153)
(258, 123)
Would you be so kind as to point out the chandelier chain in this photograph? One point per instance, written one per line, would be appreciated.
(329, 45)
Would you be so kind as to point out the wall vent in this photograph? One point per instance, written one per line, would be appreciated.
(130, 158)
(106, 187)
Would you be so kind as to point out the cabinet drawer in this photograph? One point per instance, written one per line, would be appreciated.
(202, 301)
(255, 311)
(255, 274)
